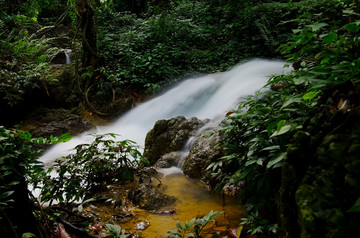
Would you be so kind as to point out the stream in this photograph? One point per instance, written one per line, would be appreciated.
(205, 97)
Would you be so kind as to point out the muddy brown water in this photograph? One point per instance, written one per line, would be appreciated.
(193, 201)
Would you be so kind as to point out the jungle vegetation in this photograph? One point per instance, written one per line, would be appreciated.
(139, 46)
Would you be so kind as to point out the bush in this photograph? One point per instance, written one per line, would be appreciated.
(92, 166)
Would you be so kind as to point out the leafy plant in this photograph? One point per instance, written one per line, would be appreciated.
(19, 169)
(91, 167)
(194, 227)
(259, 132)
(24, 61)
(256, 225)
(115, 231)
(175, 40)
(18, 157)
(325, 54)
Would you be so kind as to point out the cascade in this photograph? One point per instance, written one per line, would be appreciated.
(209, 96)
(67, 56)
(205, 97)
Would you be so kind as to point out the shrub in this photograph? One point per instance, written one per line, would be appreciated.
(90, 168)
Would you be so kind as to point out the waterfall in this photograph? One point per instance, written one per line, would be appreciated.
(67, 57)
(209, 96)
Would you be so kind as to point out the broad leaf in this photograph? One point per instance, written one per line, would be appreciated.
(355, 207)
(317, 26)
(310, 95)
(274, 147)
(353, 27)
(329, 38)
(276, 160)
(282, 130)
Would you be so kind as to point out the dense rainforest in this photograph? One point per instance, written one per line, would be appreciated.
(289, 155)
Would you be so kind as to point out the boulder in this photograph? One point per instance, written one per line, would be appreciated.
(149, 198)
(169, 135)
(60, 86)
(170, 159)
(204, 151)
(46, 122)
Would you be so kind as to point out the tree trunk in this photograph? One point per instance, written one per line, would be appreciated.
(87, 24)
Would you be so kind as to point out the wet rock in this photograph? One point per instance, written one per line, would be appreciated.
(170, 159)
(278, 86)
(149, 198)
(204, 151)
(169, 135)
(146, 174)
(46, 122)
(59, 58)
(60, 87)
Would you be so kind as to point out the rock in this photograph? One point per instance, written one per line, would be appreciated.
(59, 58)
(146, 174)
(147, 197)
(170, 159)
(169, 135)
(60, 87)
(278, 86)
(46, 122)
(204, 151)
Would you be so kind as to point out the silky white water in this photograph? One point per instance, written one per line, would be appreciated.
(210, 96)
(67, 56)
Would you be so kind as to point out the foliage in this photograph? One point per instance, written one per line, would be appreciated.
(255, 224)
(18, 157)
(327, 54)
(79, 174)
(187, 36)
(24, 59)
(194, 227)
(257, 135)
(115, 231)
(256, 140)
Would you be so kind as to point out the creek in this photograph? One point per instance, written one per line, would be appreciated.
(205, 97)
(209, 96)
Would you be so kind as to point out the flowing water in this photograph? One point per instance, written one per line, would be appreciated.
(67, 56)
(210, 96)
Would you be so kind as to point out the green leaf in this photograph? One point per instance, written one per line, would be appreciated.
(276, 160)
(145, 161)
(355, 207)
(278, 79)
(274, 147)
(353, 27)
(64, 137)
(350, 12)
(6, 194)
(280, 125)
(295, 99)
(28, 235)
(178, 225)
(282, 130)
(250, 162)
(329, 38)
(310, 95)
(317, 26)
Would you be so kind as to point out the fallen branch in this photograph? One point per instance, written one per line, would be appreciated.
(80, 233)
